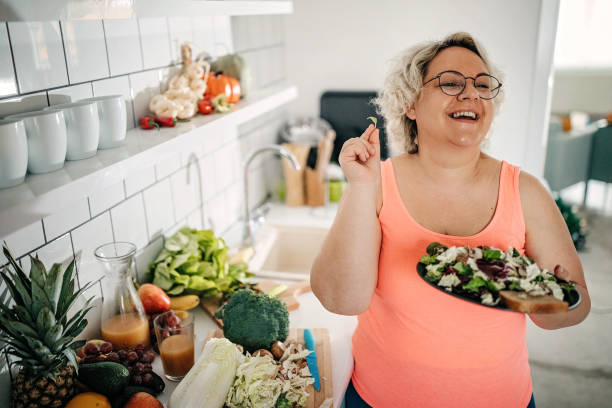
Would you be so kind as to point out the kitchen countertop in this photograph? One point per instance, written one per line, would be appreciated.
(310, 314)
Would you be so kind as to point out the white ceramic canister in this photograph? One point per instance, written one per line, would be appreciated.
(82, 128)
(46, 134)
(13, 152)
(113, 120)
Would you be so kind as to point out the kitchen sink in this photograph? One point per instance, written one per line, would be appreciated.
(286, 252)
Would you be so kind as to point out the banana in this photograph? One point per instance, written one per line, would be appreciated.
(186, 302)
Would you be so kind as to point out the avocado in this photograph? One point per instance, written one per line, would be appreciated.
(105, 377)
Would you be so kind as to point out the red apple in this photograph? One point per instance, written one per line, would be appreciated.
(153, 298)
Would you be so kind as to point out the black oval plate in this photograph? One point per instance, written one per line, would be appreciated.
(574, 300)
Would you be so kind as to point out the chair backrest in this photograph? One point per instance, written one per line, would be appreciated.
(347, 113)
(601, 155)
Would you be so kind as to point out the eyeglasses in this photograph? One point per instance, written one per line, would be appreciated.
(453, 83)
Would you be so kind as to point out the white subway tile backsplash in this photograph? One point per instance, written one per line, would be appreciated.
(257, 187)
(158, 206)
(85, 50)
(224, 169)
(155, 42)
(181, 31)
(70, 94)
(117, 86)
(217, 213)
(139, 180)
(203, 35)
(66, 219)
(197, 219)
(58, 251)
(86, 239)
(8, 84)
(39, 55)
(23, 241)
(145, 257)
(103, 199)
(185, 191)
(240, 33)
(208, 176)
(223, 35)
(145, 85)
(123, 44)
(129, 223)
(20, 104)
(268, 31)
(168, 165)
(234, 198)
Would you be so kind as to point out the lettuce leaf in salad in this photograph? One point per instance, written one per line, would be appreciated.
(436, 248)
(475, 284)
(462, 269)
(428, 259)
(491, 254)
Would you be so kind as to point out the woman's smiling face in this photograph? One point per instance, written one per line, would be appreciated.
(434, 110)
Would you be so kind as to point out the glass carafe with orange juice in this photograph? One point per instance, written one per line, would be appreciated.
(124, 322)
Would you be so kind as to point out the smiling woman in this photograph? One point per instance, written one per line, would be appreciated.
(415, 346)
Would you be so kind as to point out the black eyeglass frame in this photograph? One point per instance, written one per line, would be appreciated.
(496, 89)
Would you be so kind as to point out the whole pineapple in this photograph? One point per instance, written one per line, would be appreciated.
(40, 334)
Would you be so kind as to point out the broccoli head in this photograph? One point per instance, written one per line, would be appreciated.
(254, 321)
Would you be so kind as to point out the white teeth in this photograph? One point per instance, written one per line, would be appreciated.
(467, 114)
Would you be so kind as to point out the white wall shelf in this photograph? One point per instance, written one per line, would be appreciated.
(45, 194)
(34, 10)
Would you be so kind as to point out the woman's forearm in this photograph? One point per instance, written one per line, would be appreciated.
(345, 272)
(561, 320)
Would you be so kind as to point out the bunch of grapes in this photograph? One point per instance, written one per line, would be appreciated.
(137, 360)
(171, 324)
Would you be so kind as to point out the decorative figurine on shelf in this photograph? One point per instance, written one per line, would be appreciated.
(185, 90)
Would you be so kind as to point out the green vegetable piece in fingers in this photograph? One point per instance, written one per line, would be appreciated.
(373, 119)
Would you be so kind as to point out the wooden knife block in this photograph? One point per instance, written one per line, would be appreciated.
(294, 179)
(315, 189)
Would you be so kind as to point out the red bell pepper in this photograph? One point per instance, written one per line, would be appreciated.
(167, 121)
(147, 122)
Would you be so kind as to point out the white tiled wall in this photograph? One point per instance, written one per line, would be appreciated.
(201, 186)
(51, 62)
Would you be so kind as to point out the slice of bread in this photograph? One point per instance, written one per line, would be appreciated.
(522, 302)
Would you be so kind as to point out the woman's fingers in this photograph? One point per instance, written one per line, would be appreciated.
(562, 273)
(355, 148)
(366, 134)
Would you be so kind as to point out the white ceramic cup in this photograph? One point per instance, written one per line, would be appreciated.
(82, 128)
(113, 120)
(46, 134)
(13, 152)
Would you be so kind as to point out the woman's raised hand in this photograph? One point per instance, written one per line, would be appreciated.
(360, 157)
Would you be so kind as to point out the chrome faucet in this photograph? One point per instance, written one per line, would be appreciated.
(248, 238)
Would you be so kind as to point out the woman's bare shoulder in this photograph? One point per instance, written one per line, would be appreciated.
(535, 198)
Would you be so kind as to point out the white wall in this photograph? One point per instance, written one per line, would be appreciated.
(344, 44)
(583, 89)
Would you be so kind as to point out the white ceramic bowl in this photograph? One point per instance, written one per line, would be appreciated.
(13, 152)
(113, 120)
(47, 140)
(82, 128)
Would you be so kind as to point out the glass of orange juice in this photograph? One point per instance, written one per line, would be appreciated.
(175, 340)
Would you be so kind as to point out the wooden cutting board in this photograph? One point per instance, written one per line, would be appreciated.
(289, 296)
(324, 358)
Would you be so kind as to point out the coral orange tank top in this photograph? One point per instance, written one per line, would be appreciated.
(416, 346)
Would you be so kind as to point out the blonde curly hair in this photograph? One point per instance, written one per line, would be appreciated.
(404, 83)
